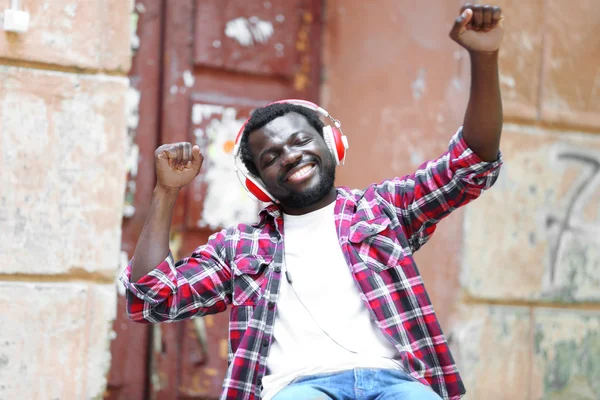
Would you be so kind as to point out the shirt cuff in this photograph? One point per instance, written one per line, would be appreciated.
(157, 285)
(469, 166)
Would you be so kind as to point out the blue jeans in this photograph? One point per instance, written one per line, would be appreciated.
(357, 384)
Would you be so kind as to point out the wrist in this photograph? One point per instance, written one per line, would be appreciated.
(165, 191)
(484, 56)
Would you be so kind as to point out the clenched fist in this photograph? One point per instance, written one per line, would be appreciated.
(177, 164)
(479, 28)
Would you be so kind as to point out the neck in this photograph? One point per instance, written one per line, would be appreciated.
(325, 201)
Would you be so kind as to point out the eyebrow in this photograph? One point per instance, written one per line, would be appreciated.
(272, 148)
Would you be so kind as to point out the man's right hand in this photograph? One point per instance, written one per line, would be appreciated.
(176, 164)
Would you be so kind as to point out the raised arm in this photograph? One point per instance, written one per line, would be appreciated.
(176, 165)
(158, 289)
(472, 162)
(479, 29)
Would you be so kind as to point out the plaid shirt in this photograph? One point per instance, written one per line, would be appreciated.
(379, 230)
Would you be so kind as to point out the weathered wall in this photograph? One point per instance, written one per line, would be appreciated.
(62, 175)
(515, 277)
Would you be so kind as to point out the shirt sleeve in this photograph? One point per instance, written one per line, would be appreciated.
(197, 285)
(437, 188)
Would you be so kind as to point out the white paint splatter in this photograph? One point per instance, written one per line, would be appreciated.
(416, 158)
(132, 107)
(188, 78)
(216, 44)
(139, 7)
(70, 10)
(418, 86)
(248, 31)
(173, 89)
(202, 111)
(226, 202)
(280, 18)
(508, 81)
(124, 260)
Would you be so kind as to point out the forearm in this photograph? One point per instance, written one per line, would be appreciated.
(153, 244)
(482, 125)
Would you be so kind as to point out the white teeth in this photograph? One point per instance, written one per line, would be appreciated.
(301, 173)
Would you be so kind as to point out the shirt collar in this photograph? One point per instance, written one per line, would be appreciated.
(273, 211)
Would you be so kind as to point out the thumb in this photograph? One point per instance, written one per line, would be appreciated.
(196, 156)
(460, 23)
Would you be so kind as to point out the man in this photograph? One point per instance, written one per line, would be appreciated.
(332, 306)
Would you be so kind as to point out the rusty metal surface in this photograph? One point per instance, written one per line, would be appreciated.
(203, 369)
(128, 376)
(244, 36)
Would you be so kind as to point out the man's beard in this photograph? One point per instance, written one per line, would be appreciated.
(309, 197)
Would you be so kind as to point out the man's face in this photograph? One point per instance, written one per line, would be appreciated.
(293, 161)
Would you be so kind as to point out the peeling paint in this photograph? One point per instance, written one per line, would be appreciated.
(418, 85)
(135, 39)
(188, 79)
(132, 154)
(200, 112)
(567, 349)
(302, 77)
(225, 203)
(508, 81)
(249, 31)
(70, 10)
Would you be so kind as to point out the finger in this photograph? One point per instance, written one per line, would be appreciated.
(496, 15)
(187, 152)
(166, 152)
(461, 23)
(487, 14)
(477, 17)
(196, 156)
(467, 6)
(179, 154)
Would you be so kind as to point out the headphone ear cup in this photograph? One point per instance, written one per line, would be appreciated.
(330, 142)
(256, 189)
(336, 142)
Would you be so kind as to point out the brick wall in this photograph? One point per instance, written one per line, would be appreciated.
(515, 276)
(63, 92)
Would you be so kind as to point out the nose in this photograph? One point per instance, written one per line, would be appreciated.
(290, 156)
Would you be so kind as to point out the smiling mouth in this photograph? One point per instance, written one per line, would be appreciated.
(301, 173)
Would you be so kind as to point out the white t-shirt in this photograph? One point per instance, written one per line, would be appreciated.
(323, 296)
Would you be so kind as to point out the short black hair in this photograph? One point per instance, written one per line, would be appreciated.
(262, 116)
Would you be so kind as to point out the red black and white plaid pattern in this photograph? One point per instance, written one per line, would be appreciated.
(379, 229)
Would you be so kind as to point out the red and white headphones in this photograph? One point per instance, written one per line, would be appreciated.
(336, 141)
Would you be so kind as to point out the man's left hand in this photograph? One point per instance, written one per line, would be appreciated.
(479, 28)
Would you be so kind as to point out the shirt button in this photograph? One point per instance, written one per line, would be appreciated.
(271, 305)
(265, 342)
(278, 269)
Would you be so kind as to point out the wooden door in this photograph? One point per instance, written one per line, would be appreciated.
(220, 60)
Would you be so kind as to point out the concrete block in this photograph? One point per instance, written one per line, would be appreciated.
(536, 234)
(521, 57)
(491, 345)
(566, 355)
(85, 34)
(54, 340)
(571, 80)
(62, 153)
